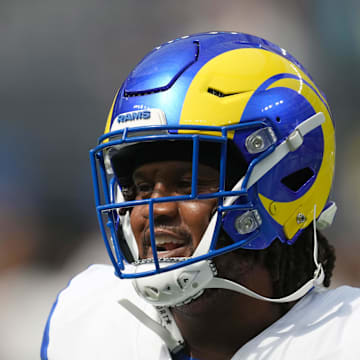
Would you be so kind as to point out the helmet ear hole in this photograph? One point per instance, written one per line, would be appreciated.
(298, 179)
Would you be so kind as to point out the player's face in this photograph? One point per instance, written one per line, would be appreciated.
(179, 225)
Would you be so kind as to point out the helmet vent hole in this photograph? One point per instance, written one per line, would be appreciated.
(215, 92)
(298, 179)
(218, 93)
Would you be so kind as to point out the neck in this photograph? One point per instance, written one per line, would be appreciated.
(220, 322)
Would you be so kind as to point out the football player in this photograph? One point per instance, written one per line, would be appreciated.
(212, 181)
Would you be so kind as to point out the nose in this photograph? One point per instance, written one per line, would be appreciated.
(168, 209)
(165, 209)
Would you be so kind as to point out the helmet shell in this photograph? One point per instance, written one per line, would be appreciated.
(229, 78)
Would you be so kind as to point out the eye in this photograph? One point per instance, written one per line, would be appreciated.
(143, 189)
(184, 186)
(206, 186)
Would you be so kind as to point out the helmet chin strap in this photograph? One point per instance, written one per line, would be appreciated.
(316, 281)
(167, 330)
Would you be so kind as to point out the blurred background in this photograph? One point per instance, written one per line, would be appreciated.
(61, 64)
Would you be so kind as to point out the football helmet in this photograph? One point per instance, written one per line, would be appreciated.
(242, 105)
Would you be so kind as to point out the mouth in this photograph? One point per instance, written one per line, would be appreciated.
(168, 245)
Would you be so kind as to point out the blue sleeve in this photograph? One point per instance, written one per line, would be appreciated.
(45, 340)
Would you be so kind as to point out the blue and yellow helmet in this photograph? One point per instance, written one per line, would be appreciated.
(252, 101)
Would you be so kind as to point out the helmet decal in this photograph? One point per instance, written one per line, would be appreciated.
(286, 213)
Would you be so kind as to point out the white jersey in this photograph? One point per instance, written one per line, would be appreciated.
(87, 323)
(321, 326)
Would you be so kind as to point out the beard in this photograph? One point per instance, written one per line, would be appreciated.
(235, 266)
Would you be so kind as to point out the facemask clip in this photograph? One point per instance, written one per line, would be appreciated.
(247, 222)
(260, 140)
